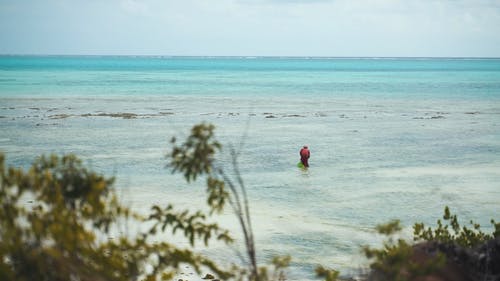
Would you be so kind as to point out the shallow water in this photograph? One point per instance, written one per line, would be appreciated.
(389, 139)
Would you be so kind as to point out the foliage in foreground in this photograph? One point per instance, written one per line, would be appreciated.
(460, 235)
(394, 261)
(60, 221)
(195, 157)
(397, 259)
(327, 274)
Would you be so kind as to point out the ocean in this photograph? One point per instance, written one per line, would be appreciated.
(390, 138)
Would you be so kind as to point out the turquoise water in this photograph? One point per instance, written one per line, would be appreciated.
(390, 138)
(261, 77)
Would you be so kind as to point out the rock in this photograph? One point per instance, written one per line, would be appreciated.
(462, 264)
(208, 276)
(479, 263)
(485, 261)
(451, 271)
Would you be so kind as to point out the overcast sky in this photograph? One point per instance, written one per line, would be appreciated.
(252, 27)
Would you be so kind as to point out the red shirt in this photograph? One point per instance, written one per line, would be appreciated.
(305, 153)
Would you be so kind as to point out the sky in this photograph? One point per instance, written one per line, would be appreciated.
(334, 28)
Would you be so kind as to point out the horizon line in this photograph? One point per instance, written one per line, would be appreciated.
(251, 56)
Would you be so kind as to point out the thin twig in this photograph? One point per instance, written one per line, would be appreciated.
(245, 200)
(243, 218)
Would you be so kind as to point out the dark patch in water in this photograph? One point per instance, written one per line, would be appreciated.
(432, 117)
(120, 115)
(60, 116)
(162, 113)
(124, 115)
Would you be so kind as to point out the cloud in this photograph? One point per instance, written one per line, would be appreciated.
(259, 27)
(279, 2)
(136, 7)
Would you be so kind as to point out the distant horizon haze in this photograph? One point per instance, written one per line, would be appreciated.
(241, 56)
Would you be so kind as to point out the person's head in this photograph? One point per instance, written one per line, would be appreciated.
(305, 146)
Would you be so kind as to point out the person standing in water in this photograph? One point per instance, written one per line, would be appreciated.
(304, 156)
